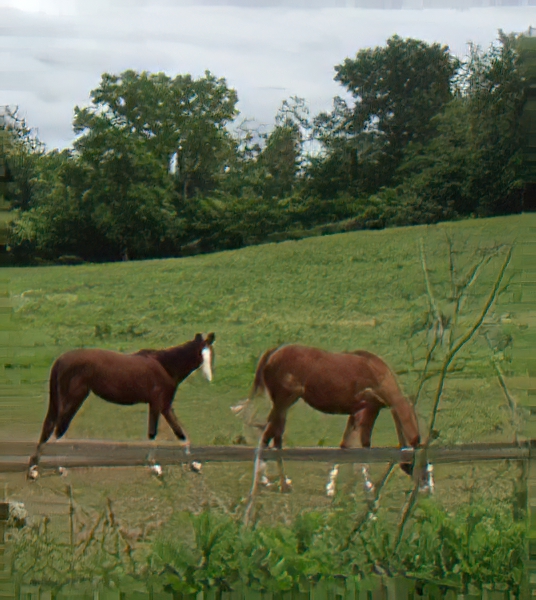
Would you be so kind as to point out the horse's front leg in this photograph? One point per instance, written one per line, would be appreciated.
(179, 431)
(406, 467)
(154, 415)
(171, 418)
(361, 424)
(348, 441)
(426, 475)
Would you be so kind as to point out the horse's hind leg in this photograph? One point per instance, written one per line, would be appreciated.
(49, 423)
(48, 427)
(274, 430)
(71, 404)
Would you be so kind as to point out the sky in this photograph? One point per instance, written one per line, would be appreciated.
(53, 52)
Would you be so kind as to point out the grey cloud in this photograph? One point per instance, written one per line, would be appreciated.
(51, 62)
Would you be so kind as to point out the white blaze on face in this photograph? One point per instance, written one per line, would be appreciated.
(206, 365)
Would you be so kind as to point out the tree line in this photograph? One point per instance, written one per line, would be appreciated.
(162, 166)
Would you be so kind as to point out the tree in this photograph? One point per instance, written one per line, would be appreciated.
(496, 94)
(129, 195)
(176, 117)
(396, 90)
(280, 160)
(473, 164)
(23, 151)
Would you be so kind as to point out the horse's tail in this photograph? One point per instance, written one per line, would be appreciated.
(258, 383)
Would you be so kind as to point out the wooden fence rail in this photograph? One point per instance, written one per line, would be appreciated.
(84, 453)
(14, 457)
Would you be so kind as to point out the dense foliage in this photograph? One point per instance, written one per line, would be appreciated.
(161, 167)
(477, 547)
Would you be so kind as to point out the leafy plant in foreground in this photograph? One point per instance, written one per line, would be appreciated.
(479, 545)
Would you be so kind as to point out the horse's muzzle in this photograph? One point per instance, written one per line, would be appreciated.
(407, 468)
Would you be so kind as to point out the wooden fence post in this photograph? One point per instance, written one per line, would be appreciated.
(7, 587)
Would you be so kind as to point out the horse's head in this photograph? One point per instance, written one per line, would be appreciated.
(205, 341)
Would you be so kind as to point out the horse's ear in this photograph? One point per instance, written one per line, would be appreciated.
(199, 337)
(210, 338)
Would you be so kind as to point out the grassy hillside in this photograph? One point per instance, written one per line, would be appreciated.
(355, 290)
(341, 292)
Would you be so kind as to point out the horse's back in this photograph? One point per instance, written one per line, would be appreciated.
(329, 381)
(309, 360)
(98, 356)
(116, 377)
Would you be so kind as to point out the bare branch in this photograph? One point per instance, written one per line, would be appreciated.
(453, 285)
(512, 404)
(374, 506)
(464, 288)
(406, 512)
(453, 351)
(254, 486)
(438, 328)
(431, 299)
(464, 339)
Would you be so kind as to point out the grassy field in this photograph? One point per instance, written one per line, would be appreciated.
(340, 292)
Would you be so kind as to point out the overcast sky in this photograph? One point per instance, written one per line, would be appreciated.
(53, 52)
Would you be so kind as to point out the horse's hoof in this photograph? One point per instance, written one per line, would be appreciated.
(368, 486)
(196, 466)
(286, 486)
(265, 481)
(33, 473)
(62, 472)
(156, 470)
(330, 490)
(238, 408)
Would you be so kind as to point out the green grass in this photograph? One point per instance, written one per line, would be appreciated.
(340, 292)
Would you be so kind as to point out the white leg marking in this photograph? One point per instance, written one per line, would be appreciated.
(428, 483)
(330, 486)
(156, 469)
(367, 484)
(196, 466)
(238, 408)
(263, 465)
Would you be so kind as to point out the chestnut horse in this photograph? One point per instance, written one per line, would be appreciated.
(358, 384)
(150, 376)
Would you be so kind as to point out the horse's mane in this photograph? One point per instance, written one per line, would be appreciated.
(145, 352)
(167, 357)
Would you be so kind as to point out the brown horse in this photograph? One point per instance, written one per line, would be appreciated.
(150, 376)
(358, 384)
